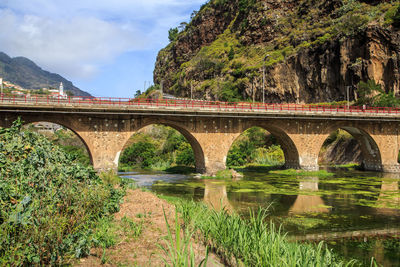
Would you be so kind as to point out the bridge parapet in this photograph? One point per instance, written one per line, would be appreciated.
(129, 104)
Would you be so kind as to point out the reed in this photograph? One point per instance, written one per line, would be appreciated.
(178, 247)
(253, 242)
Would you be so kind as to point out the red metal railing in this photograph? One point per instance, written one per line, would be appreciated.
(187, 104)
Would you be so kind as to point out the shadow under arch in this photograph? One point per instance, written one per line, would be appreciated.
(197, 150)
(369, 149)
(27, 122)
(287, 145)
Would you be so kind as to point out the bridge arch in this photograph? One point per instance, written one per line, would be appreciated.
(29, 121)
(289, 148)
(196, 147)
(370, 151)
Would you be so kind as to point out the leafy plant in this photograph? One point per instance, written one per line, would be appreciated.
(173, 34)
(49, 203)
(159, 148)
(370, 93)
(141, 153)
(185, 155)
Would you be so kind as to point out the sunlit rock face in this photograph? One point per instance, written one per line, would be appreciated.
(221, 52)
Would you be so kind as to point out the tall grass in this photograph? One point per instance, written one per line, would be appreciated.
(253, 242)
(178, 248)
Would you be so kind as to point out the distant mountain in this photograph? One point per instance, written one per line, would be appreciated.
(25, 73)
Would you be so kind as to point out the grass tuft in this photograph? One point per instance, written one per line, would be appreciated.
(178, 248)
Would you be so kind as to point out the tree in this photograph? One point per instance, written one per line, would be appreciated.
(141, 154)
(185, 155)
(173, 34)
(137, 94)
(182, 26)
(370, 93)
(364, 91)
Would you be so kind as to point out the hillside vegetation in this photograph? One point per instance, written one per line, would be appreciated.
(312, 50)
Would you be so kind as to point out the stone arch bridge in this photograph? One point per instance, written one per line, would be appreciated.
(105, 126)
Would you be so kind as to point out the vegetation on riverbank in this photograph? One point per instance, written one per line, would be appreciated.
(252, 242)
(255, 146)
(157, 147)
(50, 203)
(67, 141)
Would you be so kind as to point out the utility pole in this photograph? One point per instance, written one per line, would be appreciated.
(348, 96)
(265, 58)
(1, 85)
(191, 90)
(254, 91)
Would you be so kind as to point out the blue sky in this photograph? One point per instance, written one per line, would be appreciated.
(105, 47)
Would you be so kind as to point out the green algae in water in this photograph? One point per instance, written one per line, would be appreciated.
(352, 201)
(293, 172)
(304, 223)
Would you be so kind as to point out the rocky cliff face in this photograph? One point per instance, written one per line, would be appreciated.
(313, 51)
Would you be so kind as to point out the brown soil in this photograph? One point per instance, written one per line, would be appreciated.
(146, 208)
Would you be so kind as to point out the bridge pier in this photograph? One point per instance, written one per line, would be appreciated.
(105, 147)
(307, 145)
(215, 146)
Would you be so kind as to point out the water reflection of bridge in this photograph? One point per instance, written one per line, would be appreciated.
(215, 195)
(309, 200)
(306, 203)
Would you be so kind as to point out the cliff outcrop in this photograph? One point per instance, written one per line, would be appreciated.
(311, 51)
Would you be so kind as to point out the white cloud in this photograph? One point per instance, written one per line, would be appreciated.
(76, 37)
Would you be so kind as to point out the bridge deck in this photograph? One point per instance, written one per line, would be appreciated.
(189, 108)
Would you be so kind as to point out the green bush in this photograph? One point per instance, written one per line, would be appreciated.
(141, 154)
(371, 94)
(272, 155)
(77, 154)
(255, 146)
(173, 34)
(159, 148)
(48, 202)
(185, 155)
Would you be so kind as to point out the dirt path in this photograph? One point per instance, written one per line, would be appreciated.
(146, 209)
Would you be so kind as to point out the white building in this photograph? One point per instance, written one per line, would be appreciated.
(59, 93)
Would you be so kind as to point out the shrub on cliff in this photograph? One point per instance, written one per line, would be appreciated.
(48, 202)
(371, 94)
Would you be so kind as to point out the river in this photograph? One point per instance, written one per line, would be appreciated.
(356, 213)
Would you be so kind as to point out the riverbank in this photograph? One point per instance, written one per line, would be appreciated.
(236, 241)
(147, 210)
